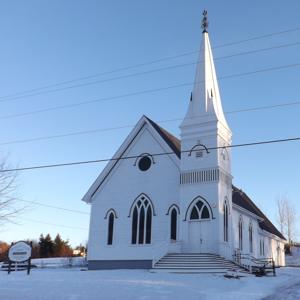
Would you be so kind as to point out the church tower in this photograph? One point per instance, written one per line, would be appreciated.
(205, 179)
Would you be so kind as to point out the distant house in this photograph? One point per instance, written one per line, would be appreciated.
(295, 249)
(176, 195)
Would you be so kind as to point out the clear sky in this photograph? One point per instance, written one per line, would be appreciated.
(48, 42)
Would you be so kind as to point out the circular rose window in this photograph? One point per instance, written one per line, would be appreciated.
(144, 163)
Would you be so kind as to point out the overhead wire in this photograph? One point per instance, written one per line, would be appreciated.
(232, 146)
(85, 162)
(103, 99)
(53, 206)
(98, 130)
(147, 63)
(147, 72)
(52, 224)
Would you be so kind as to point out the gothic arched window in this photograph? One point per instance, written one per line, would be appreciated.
(110, 231)
(200, 211)
(225, 221)
(250, 238)
(262, 246)
(241, 233)
(173, 217)
(141, 221)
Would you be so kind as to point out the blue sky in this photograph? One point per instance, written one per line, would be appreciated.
(46, 42)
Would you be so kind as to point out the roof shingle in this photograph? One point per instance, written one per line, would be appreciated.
(241, 199)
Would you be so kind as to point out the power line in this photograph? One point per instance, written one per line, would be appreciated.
(137, 156)
(145, 72)
(258, 37)
(52, 224)
(52, 206)
(147, 63)
(92, 131)
(66, 106)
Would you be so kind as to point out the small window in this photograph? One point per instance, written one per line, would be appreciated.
(199, 154)
(144, 163)
(194, 214)
(225, 221)
(174, 224)
(250, 238)
(200, 211)
(205, 213)
(240, 233)
(110, 229)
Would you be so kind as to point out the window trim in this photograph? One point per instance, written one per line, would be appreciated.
(240, 232)
(111, 210)
(250, 231)
(110, 229)
(225, 222)
(139, 237)
(136, 199)
(171, 207)
(176, 224)
(193, 203)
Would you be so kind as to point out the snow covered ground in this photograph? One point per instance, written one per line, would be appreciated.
(73, 284)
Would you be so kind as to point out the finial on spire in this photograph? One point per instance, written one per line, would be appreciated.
(204, 21)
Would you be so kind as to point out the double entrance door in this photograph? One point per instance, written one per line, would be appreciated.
(200, 237)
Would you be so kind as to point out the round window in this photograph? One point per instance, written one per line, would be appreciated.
(144, 163)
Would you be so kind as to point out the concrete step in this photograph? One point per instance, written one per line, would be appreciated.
(196, 266)
(192, 260)
(193, 263)
(189, 271)
(193, 256)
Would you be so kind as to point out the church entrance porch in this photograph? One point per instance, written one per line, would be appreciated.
(199, 237)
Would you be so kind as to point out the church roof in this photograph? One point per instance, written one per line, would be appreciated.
(238, 196)
(241, 199)
(170, 139)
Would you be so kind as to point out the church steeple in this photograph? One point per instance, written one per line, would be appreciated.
(205, 161)
(205, 99)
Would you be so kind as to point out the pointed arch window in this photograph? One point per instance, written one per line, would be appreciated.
(250, 237)
(200, 211)
(141, 225)
(241, 233)
(110, 231)
(262, 246)
(225, 221)
(173, 231)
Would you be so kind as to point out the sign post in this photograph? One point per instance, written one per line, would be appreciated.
(20, 252)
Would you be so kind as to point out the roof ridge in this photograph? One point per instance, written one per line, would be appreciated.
(173, 142)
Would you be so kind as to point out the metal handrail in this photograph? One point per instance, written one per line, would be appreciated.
(261, 263)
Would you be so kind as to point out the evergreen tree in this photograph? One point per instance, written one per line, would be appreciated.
(46, 246)
(62, 247)
(58, 246)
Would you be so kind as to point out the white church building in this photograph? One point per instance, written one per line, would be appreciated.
(161, 195)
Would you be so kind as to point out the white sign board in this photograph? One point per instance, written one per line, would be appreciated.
(19, 252)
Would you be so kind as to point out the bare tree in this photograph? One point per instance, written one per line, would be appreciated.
(286, 218)
(281, 211)
(290, 222)
(8, 206)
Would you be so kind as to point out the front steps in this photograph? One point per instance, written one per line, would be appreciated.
(194, 263)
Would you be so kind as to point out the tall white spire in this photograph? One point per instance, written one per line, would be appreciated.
(205, 100)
